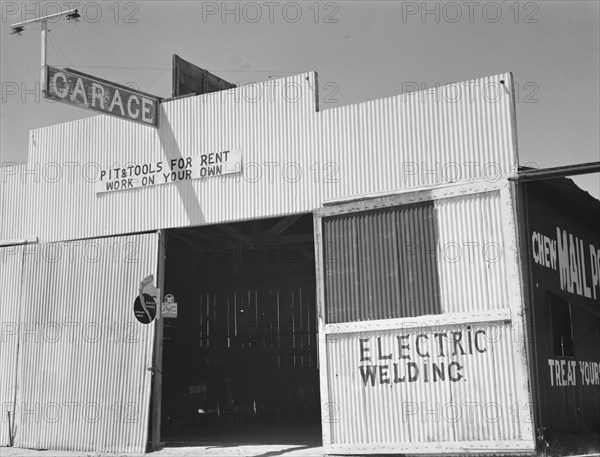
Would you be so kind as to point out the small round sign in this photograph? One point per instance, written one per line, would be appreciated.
(169, 298)
(147, 315)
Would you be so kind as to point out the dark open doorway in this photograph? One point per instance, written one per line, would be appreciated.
(240, 358)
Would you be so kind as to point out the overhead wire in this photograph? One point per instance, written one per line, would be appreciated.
(162, 69)
(57, 46)
(158, 76)
(54, 42)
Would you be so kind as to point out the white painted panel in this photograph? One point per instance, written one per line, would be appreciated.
(294, 158)
(11, 270)
(481, 402)
(449, 385)
(472, 253)
(83, 381)
(12, 201)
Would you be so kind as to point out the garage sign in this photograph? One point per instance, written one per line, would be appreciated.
(85, 91)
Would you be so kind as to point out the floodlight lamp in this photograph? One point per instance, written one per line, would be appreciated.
(74, 16)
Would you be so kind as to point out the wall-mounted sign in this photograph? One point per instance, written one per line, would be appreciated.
(144, 308)
(169, 307)
(168, 171)
(565, 373)
(576, 260)
(86, 91)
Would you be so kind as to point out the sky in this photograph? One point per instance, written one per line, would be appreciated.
(362, 50)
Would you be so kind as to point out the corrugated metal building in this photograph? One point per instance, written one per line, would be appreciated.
(563, 240)
(361, 267)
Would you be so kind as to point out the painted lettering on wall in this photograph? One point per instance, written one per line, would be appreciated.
(577, 262)
(565, 373)
(422, 357)
(169, 171)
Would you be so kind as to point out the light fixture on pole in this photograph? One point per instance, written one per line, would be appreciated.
(74, 16)
(16, 29)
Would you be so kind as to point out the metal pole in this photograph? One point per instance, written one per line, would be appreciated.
(43, 82)
(19, 26)
(156, 413)
(45, 18)
(557, 172)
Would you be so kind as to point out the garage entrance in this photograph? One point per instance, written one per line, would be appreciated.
(240, 358)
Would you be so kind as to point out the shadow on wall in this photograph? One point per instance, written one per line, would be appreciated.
(170, 147)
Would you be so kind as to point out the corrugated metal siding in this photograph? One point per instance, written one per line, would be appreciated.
(405, 261)
(12, 202)
(83, 379)
(381, 264)
(472, 253)
(459, 132)
(480, 407)
(486, 410)
(11, 269)
(276, 135)
(379, 146)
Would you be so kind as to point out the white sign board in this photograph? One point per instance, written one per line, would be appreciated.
(133, 176)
